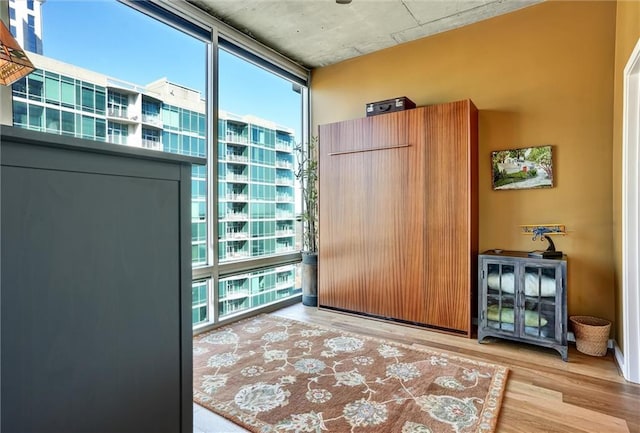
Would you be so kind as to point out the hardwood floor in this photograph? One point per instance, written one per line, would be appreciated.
(544, 393)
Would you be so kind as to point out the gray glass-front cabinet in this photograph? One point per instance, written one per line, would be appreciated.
(523, 298)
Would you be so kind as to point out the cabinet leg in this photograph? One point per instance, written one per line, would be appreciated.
(564, 352)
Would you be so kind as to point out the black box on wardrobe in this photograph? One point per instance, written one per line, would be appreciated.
(390, 105)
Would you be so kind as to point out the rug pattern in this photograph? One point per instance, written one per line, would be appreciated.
(270, 374)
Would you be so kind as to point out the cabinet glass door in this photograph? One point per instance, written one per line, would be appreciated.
(540, 301)
(501, 297)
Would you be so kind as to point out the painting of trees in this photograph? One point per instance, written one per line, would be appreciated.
(529, 167)
(542, 156)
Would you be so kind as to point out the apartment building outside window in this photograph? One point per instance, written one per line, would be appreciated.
(32, 44)
(199, 223)
(199, 302)
(252, 161)
(118, 133)
(25, 24)
(151, 139)
(151, 112)
(118, 104)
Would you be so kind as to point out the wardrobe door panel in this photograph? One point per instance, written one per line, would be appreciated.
(448, 216)
(366, 261)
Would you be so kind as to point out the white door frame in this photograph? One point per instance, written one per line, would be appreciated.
(630, 360)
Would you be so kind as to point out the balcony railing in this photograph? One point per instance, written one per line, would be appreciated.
(235, 295)
(118, 112)
(285, 232)
(284, 164)
(237, 235)
(152, 120)
(286, 147)
(284, 142)
(232, 280)
(284, 197)
(117, 139)
(237, 138)
(237, 197)
(237, 216)
(151, 144)
(237, 158)
(284, 181)
(240, 177)
(237, 254)
(284, 215)
(287, 284)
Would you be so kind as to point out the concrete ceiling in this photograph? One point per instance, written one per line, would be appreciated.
(318, 33)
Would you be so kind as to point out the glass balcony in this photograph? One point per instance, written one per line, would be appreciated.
(261, 288)
(239, 235)
(200, 302)
(238, 254)
(237, 177)
(284, 197)
(284, 214)
(151, 144)
(285, 232)
(285, 143)
(237, 216)
(284, 284)
(284, 147)
(234, 294)
(284, 181)
(233, 137)
(117, 139)
(237, 197)
(234, 157)
(153, 120)
(280, 163)
(120, 112)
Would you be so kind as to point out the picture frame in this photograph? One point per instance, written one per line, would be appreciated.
(522, 168)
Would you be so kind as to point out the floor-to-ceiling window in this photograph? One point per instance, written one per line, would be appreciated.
(174, 82)
(260, 121)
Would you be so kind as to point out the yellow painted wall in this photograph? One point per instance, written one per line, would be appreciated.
(540, 75)
(627, 34)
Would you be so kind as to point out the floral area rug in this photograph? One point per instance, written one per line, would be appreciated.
(270, 374)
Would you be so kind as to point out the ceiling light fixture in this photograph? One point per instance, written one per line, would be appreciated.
(343, 2)
(14, 63)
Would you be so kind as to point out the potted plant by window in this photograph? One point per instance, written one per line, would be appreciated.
(307, 174)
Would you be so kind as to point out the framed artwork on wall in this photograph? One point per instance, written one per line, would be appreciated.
(523, 168)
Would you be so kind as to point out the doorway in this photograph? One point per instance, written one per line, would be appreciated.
(630, 360)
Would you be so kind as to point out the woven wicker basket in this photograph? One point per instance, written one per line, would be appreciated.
(592, 334)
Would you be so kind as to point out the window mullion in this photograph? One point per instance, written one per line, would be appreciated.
(212, 170)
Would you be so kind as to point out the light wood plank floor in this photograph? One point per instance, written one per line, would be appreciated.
(544, 394)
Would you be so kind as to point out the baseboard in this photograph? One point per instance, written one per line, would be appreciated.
(611, 344)
(619, 358)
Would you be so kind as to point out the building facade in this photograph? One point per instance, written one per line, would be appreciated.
(256, 208)
(25, 23)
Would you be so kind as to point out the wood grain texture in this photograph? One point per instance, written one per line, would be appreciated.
(398, 215)
(448, 192)
(544, 394)
(368, 252)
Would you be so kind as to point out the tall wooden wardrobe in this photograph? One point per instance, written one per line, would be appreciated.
(399, 216)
